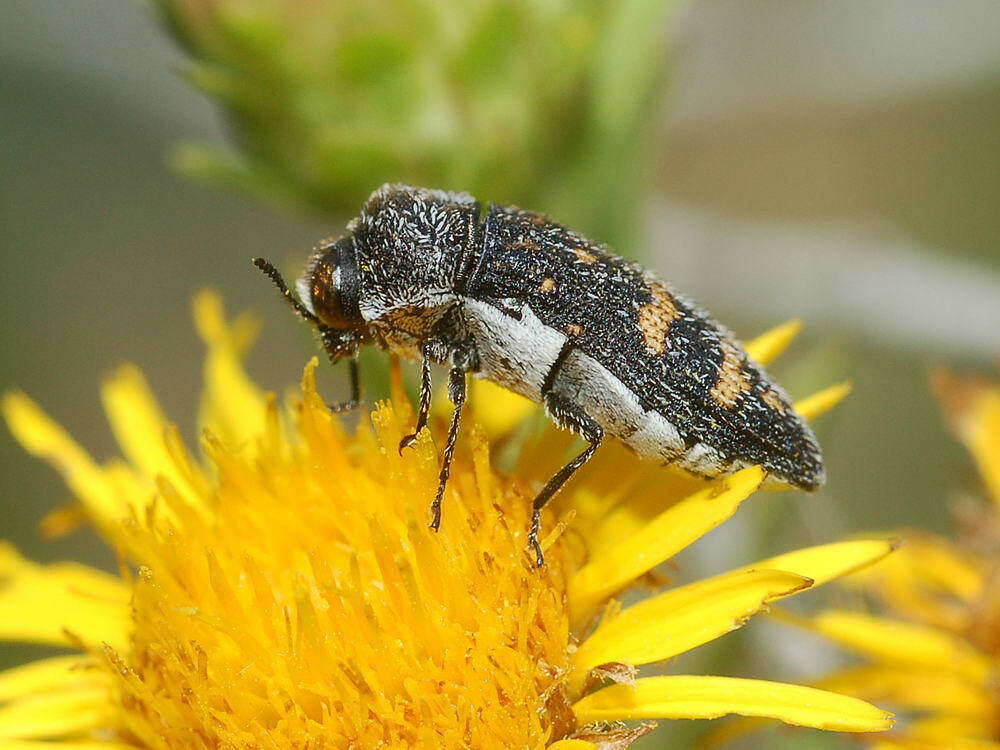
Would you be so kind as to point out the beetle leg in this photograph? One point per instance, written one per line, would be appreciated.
(355, 400)
(425, 402)
(456, 392)
(567, 417)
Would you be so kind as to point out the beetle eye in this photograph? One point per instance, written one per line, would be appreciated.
(327, 282)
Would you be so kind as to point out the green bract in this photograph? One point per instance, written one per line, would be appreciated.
(539, 103)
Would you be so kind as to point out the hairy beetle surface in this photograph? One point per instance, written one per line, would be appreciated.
(607, 347)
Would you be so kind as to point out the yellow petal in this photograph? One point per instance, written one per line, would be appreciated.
(660, 539)
(497, 409)
(699, 697)
(928, 580)
(951, 732)
(150, 443)
(769, 345)
(56, 714)
(42, 437)
(45, 675)
(233, 408)
(573, 745)
(137, 421)
(64, 745)
(619, 496)
(821, 402)
(912, 689)
(909, 742)
(829, 561)
(943, 565)
(973, 406)
(983, 437)
(39, 604)
(900, 643)
(674, 622)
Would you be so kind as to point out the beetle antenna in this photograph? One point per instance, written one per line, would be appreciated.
(272, 273)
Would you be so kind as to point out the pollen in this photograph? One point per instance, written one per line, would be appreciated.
(655, 318)
(548, 285)
(316, 607)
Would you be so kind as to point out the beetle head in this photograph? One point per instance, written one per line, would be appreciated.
(329, 296)
(329, 286)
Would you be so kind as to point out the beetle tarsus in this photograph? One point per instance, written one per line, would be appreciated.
(425, 402)
(569, 417)
(344, 406)
(456, 392)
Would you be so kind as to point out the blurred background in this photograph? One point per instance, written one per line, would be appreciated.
(834, 161)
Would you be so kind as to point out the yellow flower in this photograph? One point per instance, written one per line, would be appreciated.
(283, 590)
(932, 646)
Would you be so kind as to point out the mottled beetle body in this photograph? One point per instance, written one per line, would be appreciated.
(606, 346)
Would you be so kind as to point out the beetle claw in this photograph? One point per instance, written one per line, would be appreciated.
(407, 441)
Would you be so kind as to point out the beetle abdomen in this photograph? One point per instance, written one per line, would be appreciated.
(514, 352)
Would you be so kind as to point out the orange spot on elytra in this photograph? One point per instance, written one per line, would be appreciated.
(656, 317)
(733, 376)
(770, 397)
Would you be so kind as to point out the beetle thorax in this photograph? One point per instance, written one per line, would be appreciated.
(412, 245)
